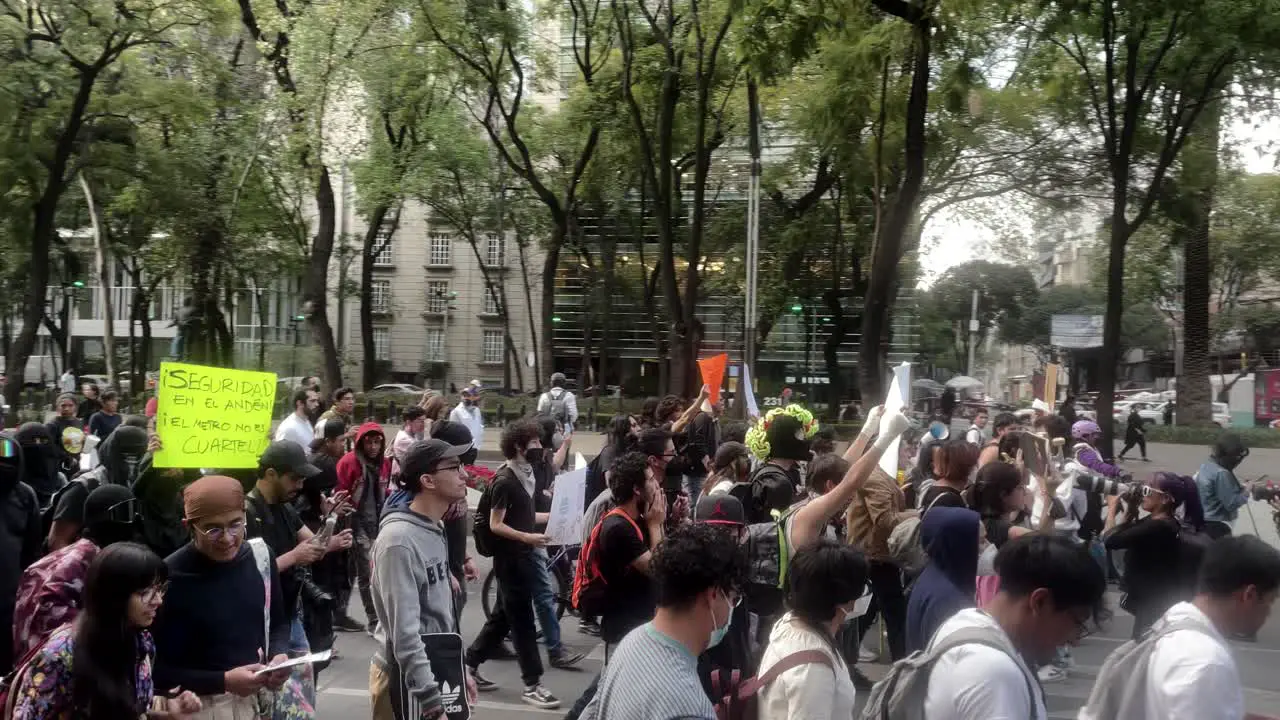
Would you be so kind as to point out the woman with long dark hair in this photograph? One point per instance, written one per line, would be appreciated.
(99, 668)
(823, 587)
(1159, 566)
(999, 494)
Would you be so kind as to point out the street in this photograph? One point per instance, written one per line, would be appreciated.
(344, 692)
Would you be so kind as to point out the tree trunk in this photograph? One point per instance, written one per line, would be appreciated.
(550, 264)
(368, 349)
(528, 305)
(43, 231)
(1199, 176)
(316, 280)
(891, 239)
(1109, 362)
(102, 259)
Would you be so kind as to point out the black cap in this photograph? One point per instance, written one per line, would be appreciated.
(422, 456)
(288, 455)
(109, 503)
(333, 428)
(456, 434)
(720, 510)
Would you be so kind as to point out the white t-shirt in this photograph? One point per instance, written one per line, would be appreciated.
(296, 429)
(974, 435)
(1192, 675)
(472, 418)
(976, 682)
(807, 692)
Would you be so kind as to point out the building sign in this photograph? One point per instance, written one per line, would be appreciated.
(1076, 332)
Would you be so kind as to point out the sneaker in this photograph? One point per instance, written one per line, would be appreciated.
(867, 656)
(346, 623)
(564, 657)
(1146, 459)
(483, 684)
(860, 681)
(587, 626)
(540, 697)
(1051, 674)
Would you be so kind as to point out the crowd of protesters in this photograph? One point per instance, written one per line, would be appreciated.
(711, 551)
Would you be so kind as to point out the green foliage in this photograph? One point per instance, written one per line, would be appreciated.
(1004, 293)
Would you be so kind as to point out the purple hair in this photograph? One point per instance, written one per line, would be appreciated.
(1185, 494)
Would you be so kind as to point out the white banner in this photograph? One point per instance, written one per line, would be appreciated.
(1079, 332)
(897, 399)
(748, 396)
(564, 527)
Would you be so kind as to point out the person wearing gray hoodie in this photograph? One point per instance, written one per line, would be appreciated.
(411, 587)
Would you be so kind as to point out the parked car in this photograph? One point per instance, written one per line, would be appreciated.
(395, 389)
(1153, 413)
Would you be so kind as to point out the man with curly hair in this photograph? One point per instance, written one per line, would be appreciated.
(698, 573)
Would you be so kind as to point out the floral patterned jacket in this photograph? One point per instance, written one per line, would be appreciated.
(45, 691)
(49, 595)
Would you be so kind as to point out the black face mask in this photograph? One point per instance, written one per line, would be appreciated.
(535, 456)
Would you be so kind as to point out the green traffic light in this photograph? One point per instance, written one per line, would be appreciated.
(78, 284)
(555, 318)
(299, 318)
(797, 309)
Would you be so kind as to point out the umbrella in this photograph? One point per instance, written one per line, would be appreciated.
(964, 382)
(928, 384)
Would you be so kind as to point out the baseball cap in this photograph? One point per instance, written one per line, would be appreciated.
(109, 503)
(424, 455)
(290, 456)
(720, 510)
(728, 453)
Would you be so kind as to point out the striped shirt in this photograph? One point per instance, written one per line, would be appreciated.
(650, 677)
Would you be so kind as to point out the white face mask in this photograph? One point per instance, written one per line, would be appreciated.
(859, 607)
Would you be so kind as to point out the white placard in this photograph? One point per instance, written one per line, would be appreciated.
(748, 396)
(894, 401)
(565, 525)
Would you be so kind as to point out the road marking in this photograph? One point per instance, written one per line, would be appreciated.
(483, 704)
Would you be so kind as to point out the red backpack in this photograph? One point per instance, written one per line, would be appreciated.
(738, 696)
(588, 582)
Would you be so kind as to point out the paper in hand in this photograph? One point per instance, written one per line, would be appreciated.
(321, 656)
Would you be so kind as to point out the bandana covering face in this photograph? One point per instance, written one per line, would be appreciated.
(212, 495)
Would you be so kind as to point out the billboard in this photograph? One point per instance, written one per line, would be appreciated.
(1076, 332)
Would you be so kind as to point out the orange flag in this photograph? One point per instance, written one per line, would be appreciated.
(713, 373)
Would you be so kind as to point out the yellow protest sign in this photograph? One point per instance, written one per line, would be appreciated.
(1051, 384)
(210, 417)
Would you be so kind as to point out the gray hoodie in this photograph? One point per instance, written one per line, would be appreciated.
(412, 596)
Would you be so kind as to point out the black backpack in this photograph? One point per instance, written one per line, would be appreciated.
(90, 480)
(770, 488)
(480, 530)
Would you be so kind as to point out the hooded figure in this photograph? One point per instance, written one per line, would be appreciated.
(947, 584)
(364, 473)
(19, 534)
(41, 459)
(122, 456)
(365, 476)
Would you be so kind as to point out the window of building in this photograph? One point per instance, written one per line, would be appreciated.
(435, 345)
(437, 296)
(493, 346)
(382, 243)
(381, 292)
(441, 250)
(490, 301)
(494, 251)
(382, 343)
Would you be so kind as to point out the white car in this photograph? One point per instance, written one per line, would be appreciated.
(1153, 413)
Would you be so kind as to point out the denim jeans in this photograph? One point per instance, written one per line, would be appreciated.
(544, 601)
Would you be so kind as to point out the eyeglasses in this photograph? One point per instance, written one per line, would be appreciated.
(449, 467)
(1147, 490)
(155, 593)
(217, 532)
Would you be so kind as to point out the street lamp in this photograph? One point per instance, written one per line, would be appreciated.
(294, 324)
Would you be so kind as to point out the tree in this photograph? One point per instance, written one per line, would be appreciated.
(309, 48)
(56, 59)
(495, 47)
(1142, 73)
(1004, 292)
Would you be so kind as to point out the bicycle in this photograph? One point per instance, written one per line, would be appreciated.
(561, 565)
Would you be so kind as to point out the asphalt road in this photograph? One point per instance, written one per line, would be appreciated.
(344, 695)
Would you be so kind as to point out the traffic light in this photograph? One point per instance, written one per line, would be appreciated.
(555, 318)
(79, 284)
(299, 318)
(797, 308)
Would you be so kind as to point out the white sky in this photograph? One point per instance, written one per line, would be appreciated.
(952, 239)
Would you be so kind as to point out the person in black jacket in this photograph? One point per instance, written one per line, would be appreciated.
(1134, 433)
(19, 535)
(1159, 563)
(703, 440)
